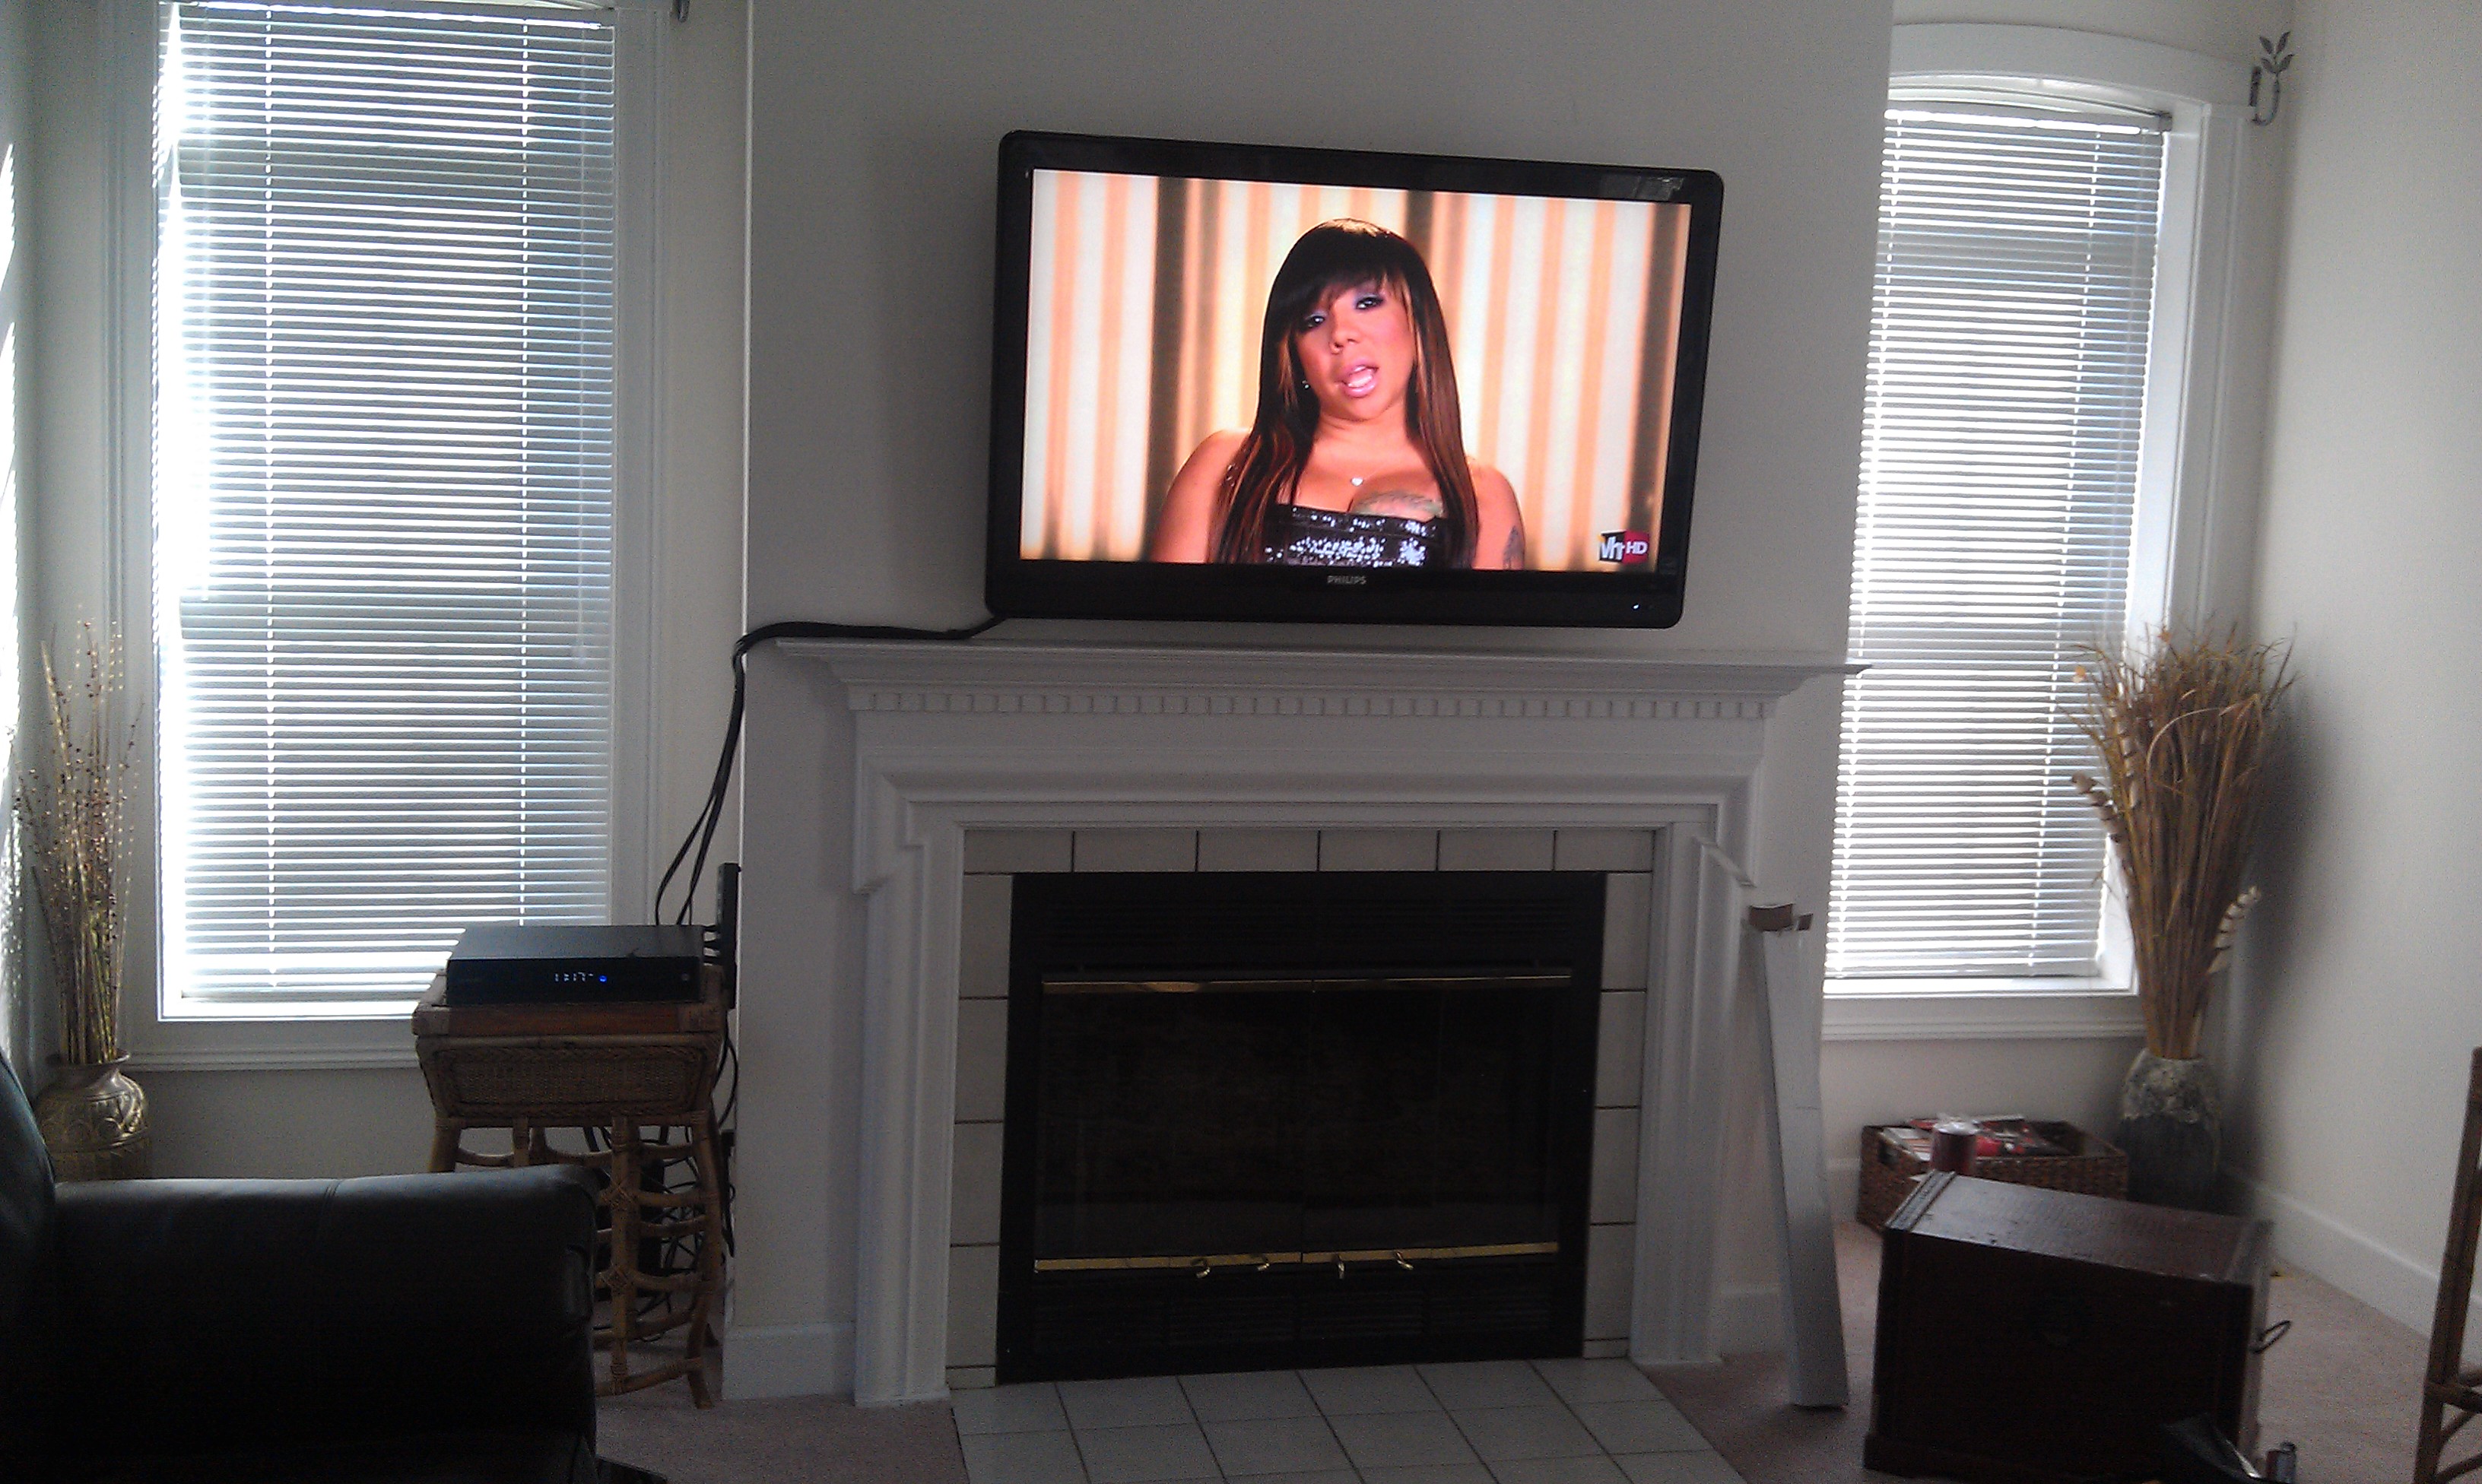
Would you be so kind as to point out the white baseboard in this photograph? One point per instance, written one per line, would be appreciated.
(788, 1360)
(2402, 1287)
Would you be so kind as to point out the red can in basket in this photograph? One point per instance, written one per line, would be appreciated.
(1953, 1141)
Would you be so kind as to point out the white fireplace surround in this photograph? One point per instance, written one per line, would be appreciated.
(949, 738)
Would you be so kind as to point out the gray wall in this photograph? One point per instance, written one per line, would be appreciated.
(15, 75)
(2213, 28)
(2360, 1008)
(280, 1125)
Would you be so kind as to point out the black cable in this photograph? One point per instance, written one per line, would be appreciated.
(701, 836)
(723, 1142)
(711, 815)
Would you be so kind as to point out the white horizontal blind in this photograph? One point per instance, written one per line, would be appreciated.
(383, 492)
(2007, 384)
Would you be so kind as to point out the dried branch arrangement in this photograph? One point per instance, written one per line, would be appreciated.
(73, 805)
(2183, 729)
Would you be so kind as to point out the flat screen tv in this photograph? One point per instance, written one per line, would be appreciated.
(1243, 382)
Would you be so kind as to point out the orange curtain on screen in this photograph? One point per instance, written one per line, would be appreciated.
(1143, 323)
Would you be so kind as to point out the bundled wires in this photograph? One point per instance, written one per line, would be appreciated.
(679, 1255)
(703, 830)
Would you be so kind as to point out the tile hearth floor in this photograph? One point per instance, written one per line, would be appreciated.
(1561, 1422)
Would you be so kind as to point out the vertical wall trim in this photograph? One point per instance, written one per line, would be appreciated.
(641, 57)
(2195, 322)
(122, 587)
(2227, 399)
(127, 48)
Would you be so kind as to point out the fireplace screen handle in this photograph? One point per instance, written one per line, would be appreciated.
(1199, 1264)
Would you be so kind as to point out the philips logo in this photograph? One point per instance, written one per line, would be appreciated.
(1628, 548)
(1347, 580)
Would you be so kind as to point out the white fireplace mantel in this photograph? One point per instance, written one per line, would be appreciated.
(1003, 675)
(997, 735)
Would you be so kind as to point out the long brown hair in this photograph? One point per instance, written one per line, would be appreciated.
(1268, 468)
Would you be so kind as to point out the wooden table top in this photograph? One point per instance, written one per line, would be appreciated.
(433, 1016)
(2083, 1229)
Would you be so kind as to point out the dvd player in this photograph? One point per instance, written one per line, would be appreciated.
(564, 963)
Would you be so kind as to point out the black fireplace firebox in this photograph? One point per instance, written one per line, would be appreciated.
(1264, 1120)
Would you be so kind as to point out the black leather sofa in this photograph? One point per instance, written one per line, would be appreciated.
(431, 1328)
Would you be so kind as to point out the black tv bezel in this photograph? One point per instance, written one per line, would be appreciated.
(1019, 586)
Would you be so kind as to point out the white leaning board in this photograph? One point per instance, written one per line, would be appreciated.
(1790, 1014)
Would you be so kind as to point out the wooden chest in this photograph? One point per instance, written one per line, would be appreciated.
(2030, 1335)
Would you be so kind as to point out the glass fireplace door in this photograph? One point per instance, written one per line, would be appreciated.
(1311, 1162)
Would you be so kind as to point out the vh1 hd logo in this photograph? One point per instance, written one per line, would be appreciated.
(1626, 548)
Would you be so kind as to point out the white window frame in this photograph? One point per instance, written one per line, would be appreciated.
(158, 1028)
(2193, 458)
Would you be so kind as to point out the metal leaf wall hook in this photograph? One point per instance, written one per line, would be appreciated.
(2273, 58)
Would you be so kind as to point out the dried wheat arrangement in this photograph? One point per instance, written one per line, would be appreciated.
(2183, 729)
(72, 803)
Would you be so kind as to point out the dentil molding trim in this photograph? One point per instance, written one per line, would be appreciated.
(1007, 677)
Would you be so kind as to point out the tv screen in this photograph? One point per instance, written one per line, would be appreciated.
(1234, 382)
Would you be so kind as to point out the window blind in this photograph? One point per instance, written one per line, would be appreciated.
(383, 491)
(2007, 388)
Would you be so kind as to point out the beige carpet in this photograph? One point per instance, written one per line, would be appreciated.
(802, 1440)
(2342, 1385)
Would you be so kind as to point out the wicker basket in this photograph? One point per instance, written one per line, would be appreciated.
(2090, 1167)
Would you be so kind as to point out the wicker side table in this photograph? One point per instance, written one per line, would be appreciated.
(617, 1070)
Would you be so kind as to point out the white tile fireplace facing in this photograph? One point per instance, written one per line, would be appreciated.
(993, 860)
(975, 761)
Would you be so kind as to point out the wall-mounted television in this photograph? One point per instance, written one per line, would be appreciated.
(1243, 383)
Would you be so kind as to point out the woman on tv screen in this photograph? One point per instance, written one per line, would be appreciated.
(1356, 457)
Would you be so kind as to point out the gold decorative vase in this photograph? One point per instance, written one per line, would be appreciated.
(93, 1121)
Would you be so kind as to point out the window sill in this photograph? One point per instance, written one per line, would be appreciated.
(2048, 1009)
(379, 1039)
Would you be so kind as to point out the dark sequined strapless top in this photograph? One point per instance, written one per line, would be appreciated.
(1300, 537)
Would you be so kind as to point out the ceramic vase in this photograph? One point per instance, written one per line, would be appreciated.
(94, 1122)
(2172, 1129)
